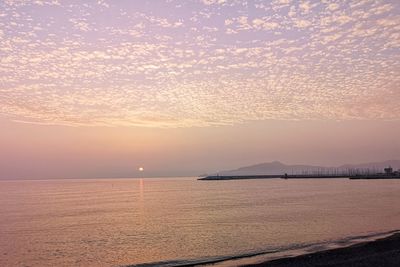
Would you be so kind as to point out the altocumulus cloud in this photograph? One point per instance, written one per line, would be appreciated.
(198, 63)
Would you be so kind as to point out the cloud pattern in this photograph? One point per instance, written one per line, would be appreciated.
(198, 63)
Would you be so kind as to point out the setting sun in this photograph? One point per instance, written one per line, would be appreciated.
(264, 125)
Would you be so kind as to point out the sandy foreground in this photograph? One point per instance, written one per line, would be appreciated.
(384, 252)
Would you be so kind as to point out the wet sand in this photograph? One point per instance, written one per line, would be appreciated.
(384, 252)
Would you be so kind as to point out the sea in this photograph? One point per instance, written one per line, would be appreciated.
(184, 221)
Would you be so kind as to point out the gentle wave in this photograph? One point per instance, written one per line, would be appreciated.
(300, 249)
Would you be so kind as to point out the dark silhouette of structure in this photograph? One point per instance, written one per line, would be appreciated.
(324, 173)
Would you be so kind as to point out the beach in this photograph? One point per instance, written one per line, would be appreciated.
(384, 252)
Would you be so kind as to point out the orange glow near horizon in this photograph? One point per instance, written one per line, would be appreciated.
(193, 87)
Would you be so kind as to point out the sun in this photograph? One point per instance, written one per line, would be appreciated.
(141, 169)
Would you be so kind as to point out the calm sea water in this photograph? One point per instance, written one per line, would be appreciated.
(114, 222)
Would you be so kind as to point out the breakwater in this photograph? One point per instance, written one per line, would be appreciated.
(295, 176)
(238, 177)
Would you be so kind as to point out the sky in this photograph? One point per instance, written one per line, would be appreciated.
(99, 88)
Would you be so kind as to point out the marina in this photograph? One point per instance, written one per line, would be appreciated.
(353, 174)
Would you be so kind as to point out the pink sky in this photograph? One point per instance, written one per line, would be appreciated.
(188, 87)
(33, 151)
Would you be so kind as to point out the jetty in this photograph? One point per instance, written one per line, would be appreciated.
(357, 174)
(238, 177)
(285, 176)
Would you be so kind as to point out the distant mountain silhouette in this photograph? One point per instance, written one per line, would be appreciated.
(276, 167)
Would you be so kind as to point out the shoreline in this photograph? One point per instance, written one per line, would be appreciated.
(380, 252)
(377, 248)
